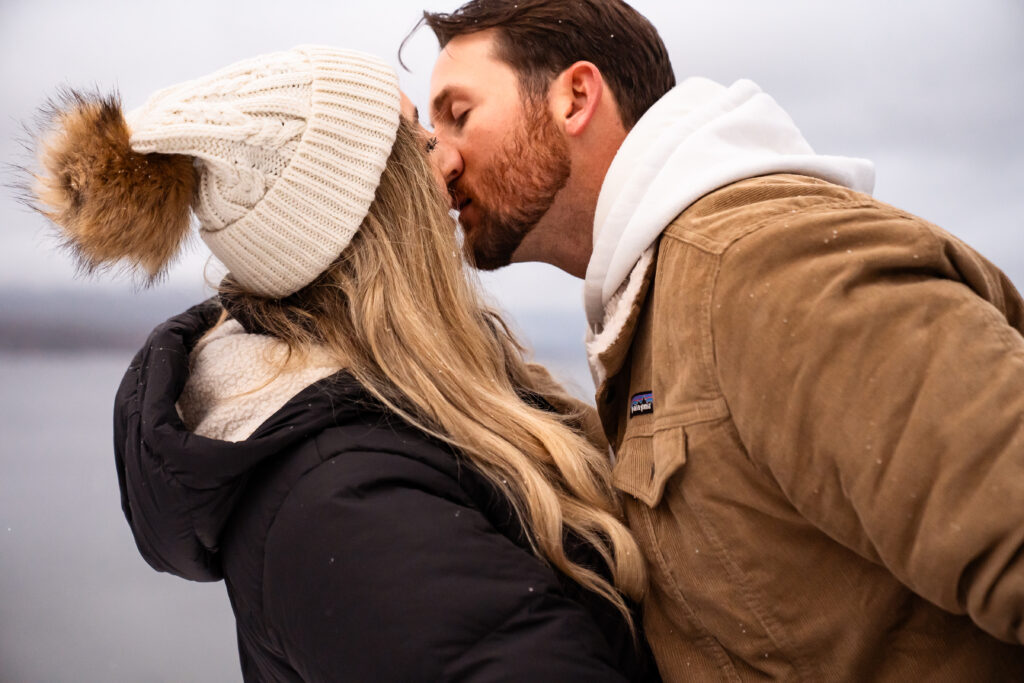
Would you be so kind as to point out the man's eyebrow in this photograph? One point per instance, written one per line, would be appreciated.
(438, 105)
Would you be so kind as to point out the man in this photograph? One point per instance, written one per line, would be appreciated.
(814, 399)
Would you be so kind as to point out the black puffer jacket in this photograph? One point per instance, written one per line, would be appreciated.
(354, 548)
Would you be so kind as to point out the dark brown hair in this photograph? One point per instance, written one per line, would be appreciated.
(541, 38)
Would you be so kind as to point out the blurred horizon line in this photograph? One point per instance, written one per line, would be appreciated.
(64, 319)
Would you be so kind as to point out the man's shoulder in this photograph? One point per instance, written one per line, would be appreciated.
(720, 218)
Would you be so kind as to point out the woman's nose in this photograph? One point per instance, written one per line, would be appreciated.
(447, 163)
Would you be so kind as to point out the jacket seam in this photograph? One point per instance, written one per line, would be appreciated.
(994, 313)
(519, 609)
(718, 652)
(658, 427)
(773, 629)
(697, 240)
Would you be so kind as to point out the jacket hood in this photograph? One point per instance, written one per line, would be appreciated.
(697, 138)
(238, 380)
(178, 488)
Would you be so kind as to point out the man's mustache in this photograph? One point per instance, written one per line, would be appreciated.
(458, 198)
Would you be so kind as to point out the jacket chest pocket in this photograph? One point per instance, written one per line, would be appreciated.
(645, 462)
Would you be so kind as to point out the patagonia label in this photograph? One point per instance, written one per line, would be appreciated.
(641, 404)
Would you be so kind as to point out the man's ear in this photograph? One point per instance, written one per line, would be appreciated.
(575, 96)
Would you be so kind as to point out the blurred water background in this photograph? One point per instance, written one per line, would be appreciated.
(77, 602)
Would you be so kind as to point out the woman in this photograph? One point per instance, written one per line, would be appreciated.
(348, 437)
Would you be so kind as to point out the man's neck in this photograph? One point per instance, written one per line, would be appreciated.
(563, 238)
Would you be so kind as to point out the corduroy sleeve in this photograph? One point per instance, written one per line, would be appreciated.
(874, 366)
(377, 569)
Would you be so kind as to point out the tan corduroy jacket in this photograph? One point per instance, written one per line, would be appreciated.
(817, 407)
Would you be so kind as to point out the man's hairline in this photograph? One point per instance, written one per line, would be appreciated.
(527, 94)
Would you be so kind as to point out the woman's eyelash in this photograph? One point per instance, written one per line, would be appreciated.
(431, 144)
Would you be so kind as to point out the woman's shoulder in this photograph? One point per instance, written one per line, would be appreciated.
(362, 447)
(362, 460)
(340, 490)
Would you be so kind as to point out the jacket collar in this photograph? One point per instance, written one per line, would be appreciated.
(608, 348)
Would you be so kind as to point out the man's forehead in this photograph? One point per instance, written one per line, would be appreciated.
(466, 64)
(464, 58)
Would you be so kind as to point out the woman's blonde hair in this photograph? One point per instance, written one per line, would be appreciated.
(397, 309)
(400, 312)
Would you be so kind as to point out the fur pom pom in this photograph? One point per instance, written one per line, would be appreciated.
(112, 204)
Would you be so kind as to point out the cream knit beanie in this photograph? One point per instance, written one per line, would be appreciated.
(289, 149)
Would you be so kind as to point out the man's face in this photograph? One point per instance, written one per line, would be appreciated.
(512, 157)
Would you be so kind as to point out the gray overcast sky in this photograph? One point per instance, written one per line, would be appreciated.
(933, 92)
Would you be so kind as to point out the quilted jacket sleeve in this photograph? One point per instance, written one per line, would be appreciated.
(378, 569)
(874, 367)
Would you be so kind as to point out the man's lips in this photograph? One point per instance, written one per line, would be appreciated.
(458, 200)
(460, 203)
(466, 215)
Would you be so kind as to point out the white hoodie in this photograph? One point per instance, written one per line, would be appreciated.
(697, 138)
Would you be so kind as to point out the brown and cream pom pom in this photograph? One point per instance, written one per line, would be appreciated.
(112, 205)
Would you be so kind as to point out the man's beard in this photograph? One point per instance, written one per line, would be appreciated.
(514, 193)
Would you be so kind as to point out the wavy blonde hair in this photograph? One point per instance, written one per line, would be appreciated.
(399, 310)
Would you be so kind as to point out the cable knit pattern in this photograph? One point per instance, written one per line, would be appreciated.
(236, 381)
(289, 147)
